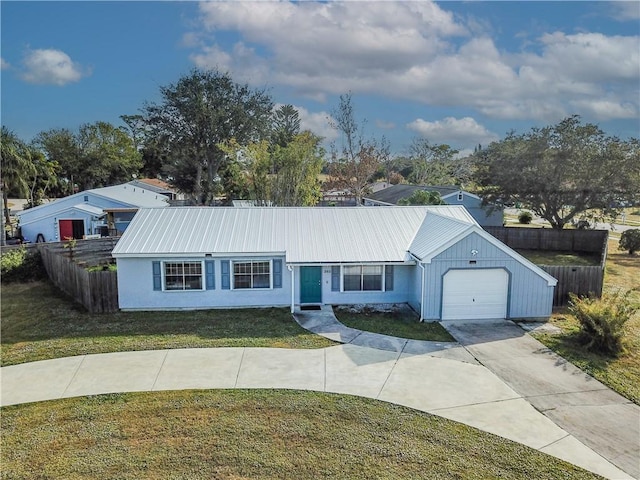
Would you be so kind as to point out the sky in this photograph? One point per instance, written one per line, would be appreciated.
(459, 73)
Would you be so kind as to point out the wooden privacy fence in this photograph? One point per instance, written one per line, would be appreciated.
(581, 280)
(96, 290)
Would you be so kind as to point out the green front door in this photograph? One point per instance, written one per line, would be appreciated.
(310, 284)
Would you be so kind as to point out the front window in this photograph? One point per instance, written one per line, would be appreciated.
(363, 278)
(183, 276)
(251, 275)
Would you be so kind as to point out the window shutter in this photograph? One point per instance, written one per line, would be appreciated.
(335, 278)
(388, 278)
(210, 272)
(277, 273)
(157, 276)
(225, 280)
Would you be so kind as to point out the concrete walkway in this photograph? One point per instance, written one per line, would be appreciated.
(442, 379)
(591, 412)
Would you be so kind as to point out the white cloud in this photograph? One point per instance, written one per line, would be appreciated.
(625, 11)
(49, 66)
(606, 109)
(4, 64)
(418, 51)
(317, 123)
(334, 47)
(461, 132)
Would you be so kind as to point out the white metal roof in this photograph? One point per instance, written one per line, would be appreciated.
(89, 209)
(133, 195)
(125, 194)
(304, 235)
(435, 232)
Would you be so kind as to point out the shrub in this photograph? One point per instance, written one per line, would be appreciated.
(19, 265)
(602, 320)
(630, 241)
(525, 218)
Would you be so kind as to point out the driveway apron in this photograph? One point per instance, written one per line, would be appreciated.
(592, 413)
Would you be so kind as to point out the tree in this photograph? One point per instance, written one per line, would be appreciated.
(150, 149)
(15, 167)
(285, 125)
(630, 241)
(107, 154)
(561, 171)
(422, 197)
(43, 178)
(297, 166)
(197, 114)
(433, 164)
(60, 147)
(353, 167)
(282, 176)
(98, 155)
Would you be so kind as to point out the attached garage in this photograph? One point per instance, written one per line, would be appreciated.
(437, 259)
(475, 294)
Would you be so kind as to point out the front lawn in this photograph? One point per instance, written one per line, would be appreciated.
(236, 434)
(403, 324)
(39, 323)
(623, 373)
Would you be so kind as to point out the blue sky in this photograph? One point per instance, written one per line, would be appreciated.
(460, 73)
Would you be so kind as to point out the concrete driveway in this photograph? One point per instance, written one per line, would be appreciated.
(443, 379)
(592, 413)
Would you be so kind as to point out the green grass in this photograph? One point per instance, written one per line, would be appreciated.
(397, 324)
(622, 374)
(255, 434)
(553, 257)
(39, 323)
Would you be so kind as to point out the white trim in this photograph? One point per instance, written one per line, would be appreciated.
(422, 285)
(551, 281)
(377, 202)
(293, 287)
(463, 192)
(221, 255)
(383, 283)
(232, 280)
(163, 276)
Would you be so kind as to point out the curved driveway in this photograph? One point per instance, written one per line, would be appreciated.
(442, 379)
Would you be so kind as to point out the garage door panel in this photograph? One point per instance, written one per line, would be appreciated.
(477, 293)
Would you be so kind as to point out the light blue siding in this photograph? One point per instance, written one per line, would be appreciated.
(484, 215)
(135, 289)
(404, 288)
(44, 219)
(530, 296)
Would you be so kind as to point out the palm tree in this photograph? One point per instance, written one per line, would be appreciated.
(16, 167)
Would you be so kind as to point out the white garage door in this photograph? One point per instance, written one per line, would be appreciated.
(469, 294)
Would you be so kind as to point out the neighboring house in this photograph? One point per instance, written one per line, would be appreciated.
(486, 216)
(435, 258)
(92, 212)
(157, 186)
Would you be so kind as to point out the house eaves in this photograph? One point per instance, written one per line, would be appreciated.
(305, 235)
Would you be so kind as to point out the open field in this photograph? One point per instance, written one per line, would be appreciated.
(621, 374)
(255, 434)
(39, 323)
